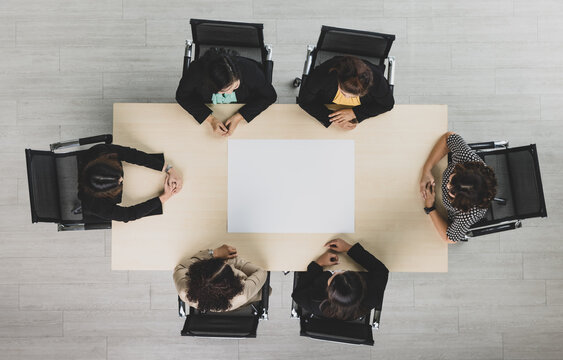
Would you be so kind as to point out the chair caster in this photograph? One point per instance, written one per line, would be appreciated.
(296, 82)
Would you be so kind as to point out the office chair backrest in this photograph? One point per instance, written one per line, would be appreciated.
(245, 38)
(241, 322)
(351, 332)
(519, 183)
(238, 323)
(53, 186)
(370, 46)
(43, 186)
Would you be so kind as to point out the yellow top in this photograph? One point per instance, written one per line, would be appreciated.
(340, 99)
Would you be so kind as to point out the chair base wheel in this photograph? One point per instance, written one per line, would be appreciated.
(296, 82)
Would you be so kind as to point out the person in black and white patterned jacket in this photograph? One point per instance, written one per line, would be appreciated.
(468, 187)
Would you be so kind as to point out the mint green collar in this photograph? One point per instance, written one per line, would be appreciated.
(224, 98)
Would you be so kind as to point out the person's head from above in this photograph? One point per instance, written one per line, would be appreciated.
(213, 284)
(222, 75)
(353, 75)
(102, 177)
(345, 293)
(472, 184)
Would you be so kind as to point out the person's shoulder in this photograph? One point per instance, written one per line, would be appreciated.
(327, 65)
(195, 70)
(95, 151)
(245, 62)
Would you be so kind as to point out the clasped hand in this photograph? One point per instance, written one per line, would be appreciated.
(172, 184)
(227, 128)
(343, 118)
(329, 257)
(427, 189)
(225, 252)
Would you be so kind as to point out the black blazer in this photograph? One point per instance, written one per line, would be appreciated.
(254, 90)
(310, 290)
(321, 87)
(97, 210)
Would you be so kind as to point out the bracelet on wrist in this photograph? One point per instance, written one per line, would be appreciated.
(168, 167)
(428, 210)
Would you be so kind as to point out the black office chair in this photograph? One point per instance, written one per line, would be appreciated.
(53, 185)
(519, 190)
(370, 46)
(239, 323)
(357, 332)
(247, 39)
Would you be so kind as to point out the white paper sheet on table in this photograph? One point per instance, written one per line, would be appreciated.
(291, 186)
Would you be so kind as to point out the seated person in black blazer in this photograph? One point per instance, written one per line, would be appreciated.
(344, 295)
(100, 183)
(348, 81)
(220, 77)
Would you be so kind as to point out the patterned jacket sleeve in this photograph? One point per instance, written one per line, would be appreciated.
(461, 152)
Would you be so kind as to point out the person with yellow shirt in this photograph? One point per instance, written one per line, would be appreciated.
(357, 85)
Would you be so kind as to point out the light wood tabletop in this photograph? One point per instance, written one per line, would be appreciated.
(389, 220)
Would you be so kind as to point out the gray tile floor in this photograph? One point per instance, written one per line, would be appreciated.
(497, 64)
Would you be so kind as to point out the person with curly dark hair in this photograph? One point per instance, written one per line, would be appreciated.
(218, 280)
(342, 295)
(221, 76)
(356, 84)
(468, 187)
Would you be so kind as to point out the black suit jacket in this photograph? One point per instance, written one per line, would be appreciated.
(97, 210)
(310, 290)
(321, 86)
(254, 90)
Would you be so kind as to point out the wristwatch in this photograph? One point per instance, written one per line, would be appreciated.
(428, 210)
(210, 252)
(168, 167)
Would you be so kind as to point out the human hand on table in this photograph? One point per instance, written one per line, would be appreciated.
(327, 259)
(342, 116)
(232, 123)
(217, 126)
(225, 252)
(169, 191)
(175, 180)
(430, 196)
(425, 180)
(338, 245)
(346, 125)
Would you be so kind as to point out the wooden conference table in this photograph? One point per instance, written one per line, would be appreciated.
(389, 220)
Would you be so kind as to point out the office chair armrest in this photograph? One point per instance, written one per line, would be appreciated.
(391, 71)
(294, 311)
(375, 318)
(268, 49)
(98, 226)
(265, 298)
(308, 60)
(74, 227)
(494, 228)
(269, 70)
(70, 227)
(187, 56)
(182, 308)
(107, 138)
(489, 145)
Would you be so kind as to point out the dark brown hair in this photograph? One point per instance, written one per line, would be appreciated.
(353, 75)
(100, 177)
(212, 284)
(345, 295)
(219, 68)
(473, 184)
